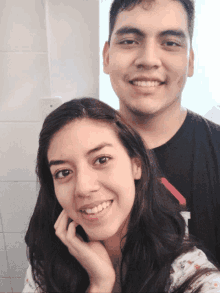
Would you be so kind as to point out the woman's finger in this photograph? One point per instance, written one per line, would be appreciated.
(76, 245)
(61, 229)
(71, 234)
(66, 232)
(59, 219)
(92, 256)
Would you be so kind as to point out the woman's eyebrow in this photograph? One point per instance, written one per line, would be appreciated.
(56, 162)
(96, 149)
(99, 147)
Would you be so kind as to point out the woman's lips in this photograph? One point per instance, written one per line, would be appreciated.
(98, 215)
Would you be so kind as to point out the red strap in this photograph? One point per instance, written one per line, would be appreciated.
(174, 191)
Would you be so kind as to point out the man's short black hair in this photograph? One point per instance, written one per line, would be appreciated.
(121, 5)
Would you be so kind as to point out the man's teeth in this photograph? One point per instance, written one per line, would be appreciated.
(98, 208)
(146, 83)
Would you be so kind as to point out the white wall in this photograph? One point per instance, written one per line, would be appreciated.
(48, 48)
(73, 43)
(201, 92)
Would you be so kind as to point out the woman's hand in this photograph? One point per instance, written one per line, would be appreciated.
(92, 255)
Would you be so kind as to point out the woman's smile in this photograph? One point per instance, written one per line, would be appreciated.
(98, 213)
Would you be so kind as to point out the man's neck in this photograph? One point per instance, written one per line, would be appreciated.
(157, 129)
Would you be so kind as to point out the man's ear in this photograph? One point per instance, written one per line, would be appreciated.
(136, 168)
(105, 55)
(191, 63)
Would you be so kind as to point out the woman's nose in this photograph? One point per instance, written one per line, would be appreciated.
(87, 182)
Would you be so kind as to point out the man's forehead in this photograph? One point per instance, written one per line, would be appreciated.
(161, 14)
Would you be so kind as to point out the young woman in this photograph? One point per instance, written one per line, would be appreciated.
(103, 222)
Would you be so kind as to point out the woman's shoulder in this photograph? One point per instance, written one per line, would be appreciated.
(29, 284)
(187, 264)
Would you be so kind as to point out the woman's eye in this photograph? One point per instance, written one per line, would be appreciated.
(101, 160)
(62, 174)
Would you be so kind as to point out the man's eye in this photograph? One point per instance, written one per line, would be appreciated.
(127, 42)
(172, 44)
(102, 160)
(62, 174)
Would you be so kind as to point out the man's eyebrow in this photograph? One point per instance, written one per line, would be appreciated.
(178, 33)
(96, 149)
(125, 30)
(133, 30)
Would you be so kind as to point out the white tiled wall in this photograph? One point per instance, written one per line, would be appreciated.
(19, 142)
(18, 201)
(48, 48)
(73, 44)
(3, 257)
(23, 26)
(1, 228)
(24, 79)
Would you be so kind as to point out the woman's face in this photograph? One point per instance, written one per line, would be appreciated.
(93, 177)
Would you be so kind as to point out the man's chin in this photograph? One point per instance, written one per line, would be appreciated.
(141, 111)
(144, 108)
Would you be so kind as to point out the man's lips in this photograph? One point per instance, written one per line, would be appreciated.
(146, 83)
(146, 79)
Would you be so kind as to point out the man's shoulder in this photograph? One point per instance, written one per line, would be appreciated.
(203, 124)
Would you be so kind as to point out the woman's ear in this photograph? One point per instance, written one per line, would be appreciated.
(136, 168)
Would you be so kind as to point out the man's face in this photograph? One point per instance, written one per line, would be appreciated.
(149, 57)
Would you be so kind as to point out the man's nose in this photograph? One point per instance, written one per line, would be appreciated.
(149, 56)
(87, 182)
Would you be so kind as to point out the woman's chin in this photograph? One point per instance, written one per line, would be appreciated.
(107, 233)
(99, 236)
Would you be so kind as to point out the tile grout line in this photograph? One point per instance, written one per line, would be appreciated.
(6, 252)
(37, 121)
(46, 15)
(35, 52)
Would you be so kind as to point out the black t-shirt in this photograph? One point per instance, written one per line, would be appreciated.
(190, 161)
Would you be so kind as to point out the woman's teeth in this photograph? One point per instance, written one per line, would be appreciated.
(98, 208)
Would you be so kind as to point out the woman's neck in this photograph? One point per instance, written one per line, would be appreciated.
(112, 245)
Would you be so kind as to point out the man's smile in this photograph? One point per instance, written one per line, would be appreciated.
(146, 85)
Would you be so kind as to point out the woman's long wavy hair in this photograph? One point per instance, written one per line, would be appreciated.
(156, 229)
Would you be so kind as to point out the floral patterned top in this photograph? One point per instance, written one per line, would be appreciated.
(183, 267)
(186, 265)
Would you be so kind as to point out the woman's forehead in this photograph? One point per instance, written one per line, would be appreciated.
(85, 134)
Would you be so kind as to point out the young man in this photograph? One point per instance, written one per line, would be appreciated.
(149, 56)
